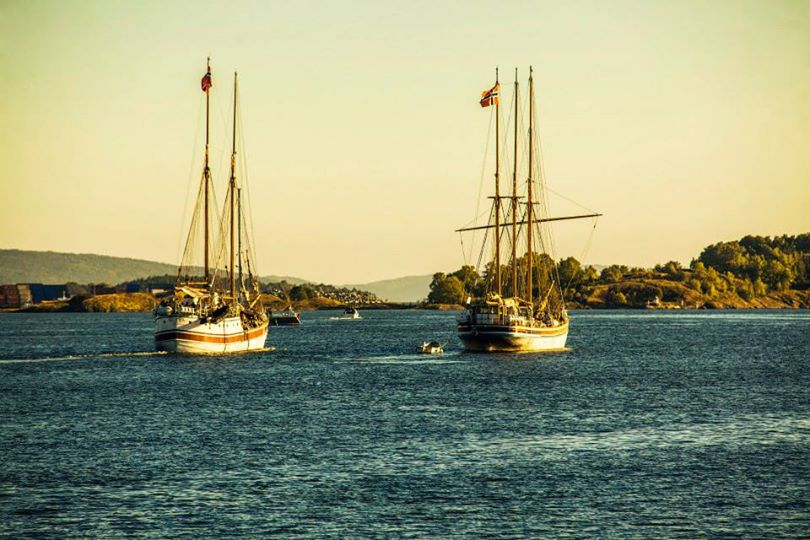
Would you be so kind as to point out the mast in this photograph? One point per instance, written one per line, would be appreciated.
(514, 194)
(239, 234)
(497, 187)
(529, 198)
(233, 191)
(207, 169)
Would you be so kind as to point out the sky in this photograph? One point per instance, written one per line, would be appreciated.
(683, 122)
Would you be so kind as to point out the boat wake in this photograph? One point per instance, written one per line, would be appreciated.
(133, 354)
(81, 357)
(224, 353)
(451, 358)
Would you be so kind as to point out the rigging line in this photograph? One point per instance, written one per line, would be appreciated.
(215, 211)
(481, 254)
(192, 167)
(249, 217)
(187, 260)
(506, 131)
(483, 169)
(583, 254)
(222, 230)
(463, 253)
(223, 147)
(488, 212)
(245, 211)
(543, 185)
(589, 241)
(557, 193)
(191, 238)
(214, 238)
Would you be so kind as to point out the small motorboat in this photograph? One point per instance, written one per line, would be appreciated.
(431, 347)
(286, 317)
(350, 313)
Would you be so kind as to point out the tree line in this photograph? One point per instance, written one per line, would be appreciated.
(750, 267)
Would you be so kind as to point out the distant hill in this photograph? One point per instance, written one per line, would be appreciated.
(21, 266)
(404, 289)
(292, 280)
(408, 288)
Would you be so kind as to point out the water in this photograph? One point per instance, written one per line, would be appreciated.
(653, 424)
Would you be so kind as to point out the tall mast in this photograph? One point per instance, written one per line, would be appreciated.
(530, 201)
(497, 187)
(207, 169)
(239, 235)
(233, 190)
(514, 194)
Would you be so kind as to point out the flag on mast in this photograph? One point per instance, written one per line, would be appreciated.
(206, 81)
(490, 97)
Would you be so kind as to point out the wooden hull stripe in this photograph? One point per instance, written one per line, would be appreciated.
(170, 335)
(493, 329)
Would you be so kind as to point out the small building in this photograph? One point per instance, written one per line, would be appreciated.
(15, 296)
(102, 289)
(41, 292)
(654, 303)
(9, 296)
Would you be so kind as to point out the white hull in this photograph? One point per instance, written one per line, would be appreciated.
(490, 338)
(187, 335)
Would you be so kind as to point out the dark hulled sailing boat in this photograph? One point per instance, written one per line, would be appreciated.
(525, 313)
(220, 311)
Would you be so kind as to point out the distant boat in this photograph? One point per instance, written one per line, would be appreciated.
(431, 347)
(527, 313)
(286, 317)
(220, 311)
(349, 314)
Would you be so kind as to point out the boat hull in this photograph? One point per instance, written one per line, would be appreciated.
(189, 335)
(500, 338)
(285, 321)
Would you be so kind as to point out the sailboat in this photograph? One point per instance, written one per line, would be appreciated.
(527, 312)
(219, 311)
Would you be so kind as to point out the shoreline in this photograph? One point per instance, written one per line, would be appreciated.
(409, 307)
(146, 302)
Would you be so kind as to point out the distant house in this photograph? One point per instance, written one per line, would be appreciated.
(654, 303)
(102, 289)
(15, 296)
(41, 292)
(9, 296)
(23, 294)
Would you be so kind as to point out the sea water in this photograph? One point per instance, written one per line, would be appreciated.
(653, 424)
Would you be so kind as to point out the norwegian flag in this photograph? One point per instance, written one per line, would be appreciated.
(490, 97)
(206, 81)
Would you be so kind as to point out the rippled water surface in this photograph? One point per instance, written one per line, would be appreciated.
(652, 425)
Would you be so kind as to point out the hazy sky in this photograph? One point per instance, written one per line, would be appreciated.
(684, 122)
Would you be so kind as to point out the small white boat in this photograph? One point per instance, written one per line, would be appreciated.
(431, 347)
(349, 314)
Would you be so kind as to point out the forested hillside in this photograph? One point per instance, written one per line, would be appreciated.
(755, 271)
(19, 266)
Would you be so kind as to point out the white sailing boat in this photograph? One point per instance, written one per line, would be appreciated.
(219, 311)
(526, 313)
